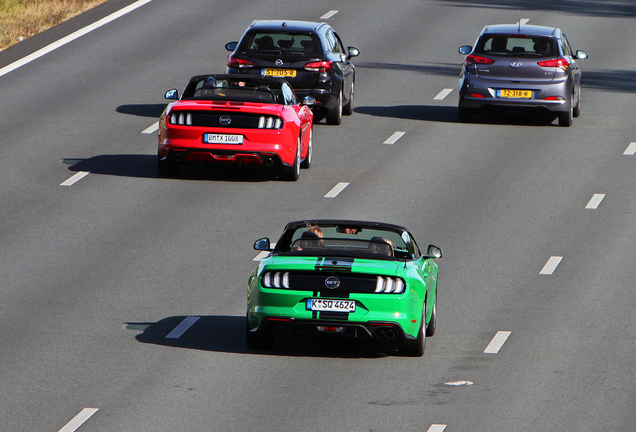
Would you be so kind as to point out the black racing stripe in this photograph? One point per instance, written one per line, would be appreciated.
(342, 316)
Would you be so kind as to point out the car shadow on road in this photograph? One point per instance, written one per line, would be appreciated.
(145, 166)
(142, 110)
(222, 333)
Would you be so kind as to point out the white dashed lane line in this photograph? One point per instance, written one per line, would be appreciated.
(523, 21)
(441, 95)
(551, 265)
(497, 342)
(75, 178)
(182, 328)
(631, 149)
(151, 129)
(436, 428)
(336, 190)
(79, 419)
(595, 201)
(329, 14)
(393, 138)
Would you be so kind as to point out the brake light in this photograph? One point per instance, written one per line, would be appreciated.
(239, 63)
(475, 95)
(318, 66)
(472, 58)
(561, 63)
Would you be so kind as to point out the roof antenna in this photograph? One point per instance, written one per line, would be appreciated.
(519, 29)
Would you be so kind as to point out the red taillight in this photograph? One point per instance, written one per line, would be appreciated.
(472, 58)
(560, 63)
(319, 66)
(239, 63)
(477, 95)
(554, 98)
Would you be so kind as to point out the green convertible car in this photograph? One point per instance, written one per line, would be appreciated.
(342, 277)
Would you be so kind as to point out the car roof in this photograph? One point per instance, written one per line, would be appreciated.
(530, 30)
(286, 25)
(346, 222)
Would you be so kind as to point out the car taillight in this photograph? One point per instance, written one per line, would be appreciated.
(385, 284)
(561, 63)
(472, 58)
(181, 118)
(475, 95)
(239, 63)
(270, 122)
(275, 280)
(318, 66)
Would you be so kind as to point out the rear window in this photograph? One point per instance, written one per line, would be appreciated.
(516, 46)
(282, 43)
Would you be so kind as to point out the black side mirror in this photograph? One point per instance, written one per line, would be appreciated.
(231, 46)
(352, 52)
(309, 101)
(434, 252)
(262, 244)
(465, 49)
(172, 94)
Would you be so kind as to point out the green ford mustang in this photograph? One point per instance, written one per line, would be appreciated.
(351, 278)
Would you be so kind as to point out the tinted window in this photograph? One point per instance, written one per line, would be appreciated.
(284, 43)
(512, 45)
(565, 45)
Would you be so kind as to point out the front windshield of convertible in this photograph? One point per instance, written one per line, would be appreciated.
(241, 90)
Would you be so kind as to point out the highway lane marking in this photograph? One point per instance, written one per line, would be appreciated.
(336, 190)
(263, 254)
(182, 328)
(75, 178)
(79, 419)
(595, 201)
(523, 21)
(329, 14)
(436, 428)
(551, 265)
(631, 149)
(393, 138)
(79, 33)
(151, 129)
(497, 342)
(441, 95)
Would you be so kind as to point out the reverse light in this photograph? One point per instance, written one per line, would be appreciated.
(318, 66)
(472, 58)
(387, 285)
(239, 63)
(275, 280)
(561, 63)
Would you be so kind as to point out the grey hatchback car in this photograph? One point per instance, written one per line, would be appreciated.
(521, 68)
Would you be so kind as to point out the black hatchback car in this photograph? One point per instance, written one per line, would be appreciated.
(309, 55)
(521, 67)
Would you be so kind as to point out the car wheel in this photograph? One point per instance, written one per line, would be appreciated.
(415, 347)
(432, 324)
(310, 150)
(577, 109)
(292, 173)
(167, 167)
(464, 115)
(348, 108)
(258, 340)
(565, 118)
(334, 115)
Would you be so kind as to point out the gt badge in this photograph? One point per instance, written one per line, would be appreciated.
(225, 120)
(332, 282)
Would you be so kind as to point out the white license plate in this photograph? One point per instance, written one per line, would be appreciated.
(211, 138)
(328, 305)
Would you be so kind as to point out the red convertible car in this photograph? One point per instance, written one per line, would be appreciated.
(236, 119)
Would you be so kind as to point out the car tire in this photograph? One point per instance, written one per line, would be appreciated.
(167, 168)
(291, 173)
(415, 347)
(334, 115)
(432, 324)
(565, 118)
(464, 115)
(258, 340)
(577, 109)
(306, 163)
(348, 108)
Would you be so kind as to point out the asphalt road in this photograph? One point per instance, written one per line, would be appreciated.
(94, 276)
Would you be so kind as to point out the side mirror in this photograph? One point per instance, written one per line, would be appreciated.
(434, 252)
(352, 52)
(582, 55)
(465, 49)
(262, 244)
(172, 94)
(309, 101)
(231, 46)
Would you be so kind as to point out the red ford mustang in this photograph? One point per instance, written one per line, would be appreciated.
(236, 119)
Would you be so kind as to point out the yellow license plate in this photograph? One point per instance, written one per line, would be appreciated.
(283, 73)
(519, 94)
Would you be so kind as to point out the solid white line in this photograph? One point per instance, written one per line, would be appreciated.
(81, 32)
(551, 265)
(393, 138)
(595, 201)
(75, 178)
(79, 419)
(336, 190)
(151, 129)
(436, 428)
(329, 14)
(441, 95)
(263, 254)
(181, 328)
(631, 149)
(496, 343)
